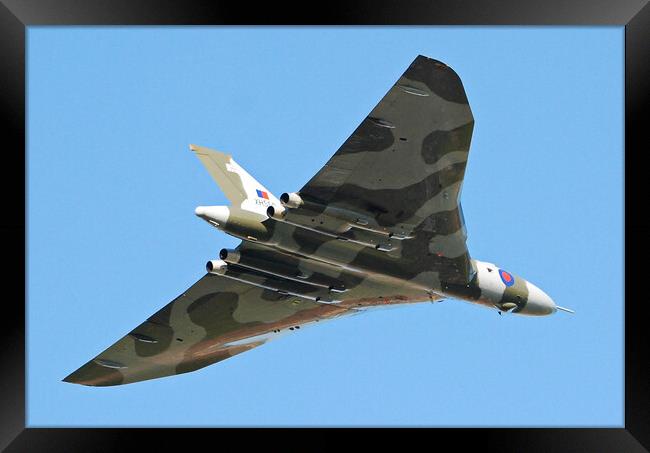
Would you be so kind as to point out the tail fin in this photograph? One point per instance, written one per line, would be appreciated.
(240, 188)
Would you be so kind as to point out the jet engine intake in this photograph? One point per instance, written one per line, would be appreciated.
(217, 267)
(230, 255)
(276, 213)
(291, 200)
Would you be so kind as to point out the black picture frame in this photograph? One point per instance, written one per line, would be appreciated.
(16, 15)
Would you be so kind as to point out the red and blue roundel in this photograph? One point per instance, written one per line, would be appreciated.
(506, 277)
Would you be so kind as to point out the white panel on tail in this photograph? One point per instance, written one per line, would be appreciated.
(240, 188)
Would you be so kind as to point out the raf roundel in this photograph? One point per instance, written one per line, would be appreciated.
(506, 277)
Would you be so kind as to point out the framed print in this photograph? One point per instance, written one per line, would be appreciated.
(108, 104)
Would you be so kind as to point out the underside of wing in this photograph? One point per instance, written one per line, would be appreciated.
(401, 171)
(216, 318)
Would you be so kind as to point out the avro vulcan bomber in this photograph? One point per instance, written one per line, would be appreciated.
(380, 224)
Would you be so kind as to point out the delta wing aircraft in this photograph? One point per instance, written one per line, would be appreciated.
(380, 224)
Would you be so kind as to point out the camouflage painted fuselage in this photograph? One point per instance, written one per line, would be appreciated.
(380, 224)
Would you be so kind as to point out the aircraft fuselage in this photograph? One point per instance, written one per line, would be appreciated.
(316, 256)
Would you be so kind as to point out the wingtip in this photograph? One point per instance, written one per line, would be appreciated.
(69, 379)
(432, 60)
(93, 374)
(74, 378)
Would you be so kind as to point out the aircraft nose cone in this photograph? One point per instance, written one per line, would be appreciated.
(539, 303)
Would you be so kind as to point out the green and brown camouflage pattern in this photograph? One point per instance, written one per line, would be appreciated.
(395, 183)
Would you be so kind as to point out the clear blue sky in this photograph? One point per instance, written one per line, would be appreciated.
(112, 236)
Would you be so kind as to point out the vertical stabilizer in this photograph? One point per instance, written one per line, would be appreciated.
(237, 184)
